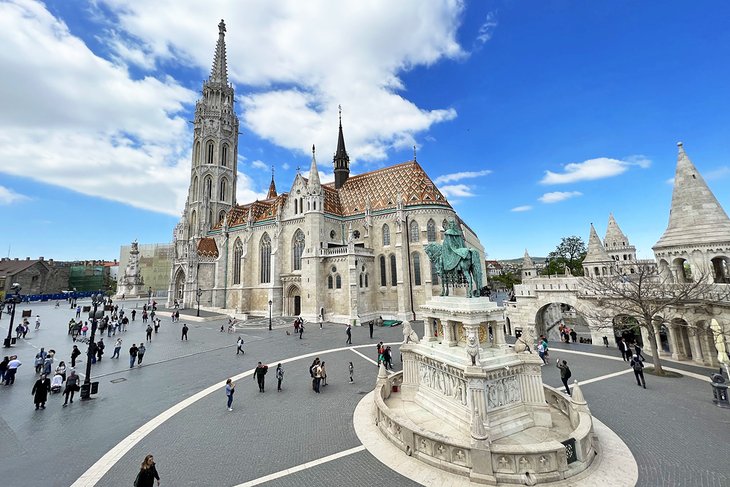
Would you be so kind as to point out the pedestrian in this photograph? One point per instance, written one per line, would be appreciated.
(259, 374)
(147, 473)
(125, 322)
(279, 377)
(132, 355)
(230, 389)
(380, 352)
(312, 369)
(323, 374)
(3, 365)
(371, 325)
(134, 314)
(140, 353)
(75, 352)
(78, 311)
(573, 335)
(157, 325)
(564, 374)
(301, 329)
(605, 341)
(317, 376)
(638, 350)
(40, 357)
(61, 370)
(348, 331)
(388, 358)
(177, 316)
(144, 316)
(184, 332)
(13, 365)
(625, 350)
(40, 391)
(239, 346)
(100, 348)
(149, 333)
(117, 348)
(541, 352)
(47, 365)
(37, 322)
(84, 328)
(638, 365)
(72, 385)
(352, 372)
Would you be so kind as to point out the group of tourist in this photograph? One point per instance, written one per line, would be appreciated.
(385, 356)
(567, 334)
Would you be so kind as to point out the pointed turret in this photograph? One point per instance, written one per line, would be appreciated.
(696, 217)
(596, 251)
(272, 186)
(341, 160)
(614, 236)
(528, 267)
(219, 71)
(313, 185)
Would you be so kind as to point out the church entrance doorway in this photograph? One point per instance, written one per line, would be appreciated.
(179, 285)
(293, 301)
(297, 305)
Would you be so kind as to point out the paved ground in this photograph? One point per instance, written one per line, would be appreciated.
(677, 436)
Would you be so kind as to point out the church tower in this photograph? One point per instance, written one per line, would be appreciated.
(529, 270)
(341, 160)
(212, 191)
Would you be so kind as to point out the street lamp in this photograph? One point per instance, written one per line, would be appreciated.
(198, 293)
(270, 303)
(12, 300)
(149, 301)
(96, 300)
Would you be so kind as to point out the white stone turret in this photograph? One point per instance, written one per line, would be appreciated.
(597, 261)
(528, 267)
(616, 243)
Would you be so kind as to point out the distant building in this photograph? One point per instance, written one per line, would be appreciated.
(90, 275)
(155, 263)
(494, 268)
(35, 276)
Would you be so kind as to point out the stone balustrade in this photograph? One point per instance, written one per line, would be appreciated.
(337, 251)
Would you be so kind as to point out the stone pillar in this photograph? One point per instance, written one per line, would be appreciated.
(429, 329)
(450, 336)
(498, 330)
(675, 346)
(695, 348)
(477, 394)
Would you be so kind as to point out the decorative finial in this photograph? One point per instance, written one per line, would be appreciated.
(414, 154)
(272, 172)
(679, 144)
(222, 27)
(339, 108)
(312, 150)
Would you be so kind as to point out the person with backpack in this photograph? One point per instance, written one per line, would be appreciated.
(72, 385)
(140, 353)
(638, 365)
(301, 329)
(279, 377)
(260, 374)
(564, 374)
(149, 332)
(239, 346)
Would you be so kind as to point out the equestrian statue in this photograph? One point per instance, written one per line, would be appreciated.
(455, 263)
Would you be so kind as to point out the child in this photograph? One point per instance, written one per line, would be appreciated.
(352, 371)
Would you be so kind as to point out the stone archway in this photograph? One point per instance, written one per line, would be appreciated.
(293, 301)
(179, 286)
(550, 316)
(628, 328)
(679, 336)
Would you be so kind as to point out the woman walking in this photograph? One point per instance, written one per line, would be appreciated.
(40, 391)
(230, 389)
(323, 373)
(72, 385)
(147, 473)
(279, 377)
(61, 369)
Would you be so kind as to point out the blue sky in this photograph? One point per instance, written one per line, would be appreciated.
(535, 118)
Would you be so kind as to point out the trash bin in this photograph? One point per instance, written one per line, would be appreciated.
(13, 340)
(518, 332)
(95, 387)
(719, 391)
(85, 391)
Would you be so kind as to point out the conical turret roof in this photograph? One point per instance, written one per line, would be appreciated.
(313, 184)
(596, 251)
(272, 186)
(527, 262)
(219, 70)
(614, 236)
(696, 217)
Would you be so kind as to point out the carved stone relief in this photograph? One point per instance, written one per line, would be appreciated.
(502, 392)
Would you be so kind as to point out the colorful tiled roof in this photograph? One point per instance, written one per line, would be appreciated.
(207, 247)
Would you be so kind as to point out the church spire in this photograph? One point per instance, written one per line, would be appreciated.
(696, 216)
(219, 71)
(341, 160)
(596, 251)
(272, 186)
(614, 236)
(313, 185)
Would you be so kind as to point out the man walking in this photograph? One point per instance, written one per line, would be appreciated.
(140, 353)
(638, 365)
(301, 330)
(99, 349)
(12, 370)
(149, 333)
(259, 374)
(564, 374)
(348, 331)
(239, 345)
(75, 352)
(132, 355)
(625, 350)
(134, 314)
(117, 348)
(184, 332)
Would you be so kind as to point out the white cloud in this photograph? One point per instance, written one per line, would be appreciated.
(670, 181)
(285, 166)
(324, 177)
(8, 196)
(592, 169)
(458, 176)
(521, 208)
(718, 173)
(486, 30)
(245, 192)
(260, 165)
(456, 190)
(557, 196)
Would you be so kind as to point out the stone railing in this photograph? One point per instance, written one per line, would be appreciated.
(337, 251)
(543, 462)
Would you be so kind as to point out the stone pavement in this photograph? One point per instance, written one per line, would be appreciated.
(677, 436)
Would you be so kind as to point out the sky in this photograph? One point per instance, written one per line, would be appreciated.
(535, 119)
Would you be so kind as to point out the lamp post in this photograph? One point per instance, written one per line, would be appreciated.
(270, 303)
(12, 300)
(149, 293)
(198, 293)
(96, 313)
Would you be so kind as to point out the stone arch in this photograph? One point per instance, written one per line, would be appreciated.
(386, 234)
(572, 312)
(196, 153)
(194, 190)
(179, 286)
(224, 155)
(431, 230)
(721, 269)
(237, 258)
(679, 334)
(297, 250)
(682, 270)
(293, 301)
(665, 271)
(223, 190)
(208, 188)
(414, 232)
(193, 221)
(209, 152)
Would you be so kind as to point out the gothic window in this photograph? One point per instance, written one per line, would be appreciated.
(296, 207)
(298, 250)
(223, 190)
(416, 262)
(434, 274)
(386, 235)
(221, 215)
(237, 256)
(329, 282)
(366, 280)
(196, 155)
(338, 282)
(210, 218)
(209, 152)
(208, 188)
(431, 230)
(413, 229)
(393, 271)
(383, 275)
(360, 280)
(224, 155)
(193, 221)
(194, 189)
(265, 259)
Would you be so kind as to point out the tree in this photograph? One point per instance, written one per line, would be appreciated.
(570, 252)
(508, 280)
(644, 296)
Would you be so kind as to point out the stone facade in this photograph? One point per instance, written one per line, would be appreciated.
(346, 251)
(34, 276)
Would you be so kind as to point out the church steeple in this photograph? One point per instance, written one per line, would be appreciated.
(272, 186)
(313, 185)
(219, 71)
(341, 160)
